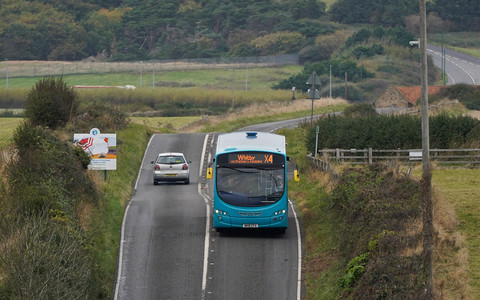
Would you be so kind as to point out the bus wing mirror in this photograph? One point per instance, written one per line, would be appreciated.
(296, 176)
(209, 173)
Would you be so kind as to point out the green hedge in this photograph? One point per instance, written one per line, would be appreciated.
(393, 132)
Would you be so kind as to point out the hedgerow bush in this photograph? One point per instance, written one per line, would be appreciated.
(373, 209)
(51, 103)
(47, 174)
(338, 66)
(44, 259)
(44, 244)
(392, 132)
(105, 116)
(467, 94)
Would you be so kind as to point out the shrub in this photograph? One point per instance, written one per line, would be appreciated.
(51, 103)
(46, 175)
(104, 116)
(43, 260)
(278, 42)
(360, 110)
(373, 208)
(354, 271)
(391, 132)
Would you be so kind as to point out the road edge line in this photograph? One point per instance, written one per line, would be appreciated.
(206, 248)
(122, 231)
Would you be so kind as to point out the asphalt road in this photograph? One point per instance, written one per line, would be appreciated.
(170, 251)
(164, 229)
(460, 67)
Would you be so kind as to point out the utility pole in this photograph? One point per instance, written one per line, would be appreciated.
(330, 81)
(312, 93)
(426, 182)
(6, 67)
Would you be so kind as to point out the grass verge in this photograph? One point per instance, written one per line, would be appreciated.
(106, 220)
(228, 78)
(7, 126)
(457, 248)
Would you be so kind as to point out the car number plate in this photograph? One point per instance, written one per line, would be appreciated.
(170, 174)
(250, 225)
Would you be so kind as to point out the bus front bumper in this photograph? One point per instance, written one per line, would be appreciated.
(223, 221)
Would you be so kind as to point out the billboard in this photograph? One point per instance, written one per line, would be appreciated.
(101, 147)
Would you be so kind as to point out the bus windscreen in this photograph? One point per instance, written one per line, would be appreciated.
(250, 179)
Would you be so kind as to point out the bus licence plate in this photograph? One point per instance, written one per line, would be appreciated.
(250, 225)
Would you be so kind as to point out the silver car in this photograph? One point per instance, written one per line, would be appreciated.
(171, 166)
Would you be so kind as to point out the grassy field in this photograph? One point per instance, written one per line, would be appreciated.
(7, 126)
(165, 124)
(461, 188)
(246, 78)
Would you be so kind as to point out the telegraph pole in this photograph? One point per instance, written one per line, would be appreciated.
(426, 182)
(312, 93)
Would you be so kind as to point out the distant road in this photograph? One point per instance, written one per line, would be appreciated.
(460, 67)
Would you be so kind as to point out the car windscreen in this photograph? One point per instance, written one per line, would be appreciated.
(170, 160)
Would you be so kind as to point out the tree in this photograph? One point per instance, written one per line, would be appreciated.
(32, 30)
(278, 42)
(51, 103)
(308, 9)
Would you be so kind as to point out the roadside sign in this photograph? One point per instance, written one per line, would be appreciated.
(101, 147)
(313, 94)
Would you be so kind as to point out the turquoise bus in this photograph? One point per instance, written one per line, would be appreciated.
(250, 181)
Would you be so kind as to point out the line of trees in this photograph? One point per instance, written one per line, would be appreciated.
(154, 29)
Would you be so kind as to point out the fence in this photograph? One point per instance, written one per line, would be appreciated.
(323, 166)
(58, 68)
(370, 156)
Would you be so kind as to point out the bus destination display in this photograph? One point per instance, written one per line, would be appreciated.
(251, 158)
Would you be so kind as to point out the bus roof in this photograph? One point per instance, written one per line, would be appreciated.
(245, 141)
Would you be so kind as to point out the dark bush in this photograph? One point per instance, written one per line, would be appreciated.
(51, 103)
(42, 259)
(447, 132)
(392, 132)
(467, 94)
(339, 68)
(105, 117)
(373, 208)
(351, 93)
(47, 174)
(360, 110)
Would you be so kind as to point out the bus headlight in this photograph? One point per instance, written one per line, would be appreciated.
(219, 212)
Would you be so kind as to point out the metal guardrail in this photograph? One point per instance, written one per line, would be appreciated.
(412, 156)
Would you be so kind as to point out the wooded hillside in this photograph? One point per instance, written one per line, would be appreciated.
(155, 29)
